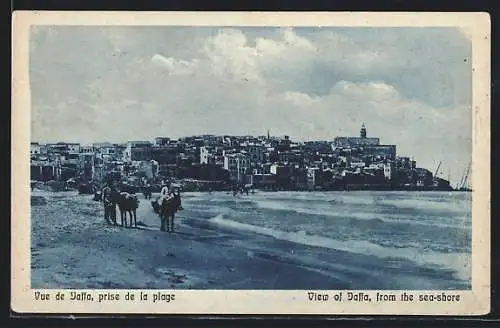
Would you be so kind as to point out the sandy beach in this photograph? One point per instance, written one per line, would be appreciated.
(72, 247)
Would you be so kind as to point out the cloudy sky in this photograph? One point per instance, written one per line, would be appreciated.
(410, 86)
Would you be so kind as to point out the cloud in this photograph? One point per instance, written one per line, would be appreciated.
(176, 67)
(369, 90)
(230, 57)
(300, 99)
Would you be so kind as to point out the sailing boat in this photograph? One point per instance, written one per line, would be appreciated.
(464, 185)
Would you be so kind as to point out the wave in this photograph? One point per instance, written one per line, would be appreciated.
(428, 210)
(441, 205)
(435, 202)
(366, 197)
(349, 212)
(458, 262)
(432, 205)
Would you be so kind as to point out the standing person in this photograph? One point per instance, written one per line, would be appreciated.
(148, 191)
(107, 200)
(115, 194)
(175, 197)
(176, 194)
(164, 193)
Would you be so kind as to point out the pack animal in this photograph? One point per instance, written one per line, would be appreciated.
(128, 203)
(167, 211)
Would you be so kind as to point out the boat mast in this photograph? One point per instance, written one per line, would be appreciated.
(464, 183)
(437, 169)
(459, 185)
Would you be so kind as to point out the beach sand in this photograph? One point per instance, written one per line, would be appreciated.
(73, 247)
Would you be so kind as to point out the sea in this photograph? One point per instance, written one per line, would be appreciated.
(424, 238)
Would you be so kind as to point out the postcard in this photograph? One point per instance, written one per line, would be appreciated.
(251, 163)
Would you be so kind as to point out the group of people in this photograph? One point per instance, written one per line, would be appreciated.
(166, 193)
(110, 196)
(241, 189)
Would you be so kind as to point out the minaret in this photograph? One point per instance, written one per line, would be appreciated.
(362, 132)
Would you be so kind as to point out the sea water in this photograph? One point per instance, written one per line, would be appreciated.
(429, 230)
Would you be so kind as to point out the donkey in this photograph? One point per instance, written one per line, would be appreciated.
(167, 211)
(128, 203)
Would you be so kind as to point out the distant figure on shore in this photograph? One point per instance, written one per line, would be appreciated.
(147, 191)
(240, 189)
(244, 189)
(98, 196)
(237, 189)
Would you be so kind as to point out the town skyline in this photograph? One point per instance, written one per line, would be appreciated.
(337, 142)
(411, 86)
(151, 138)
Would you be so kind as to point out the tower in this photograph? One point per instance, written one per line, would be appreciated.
(362, 132)
(268, 136)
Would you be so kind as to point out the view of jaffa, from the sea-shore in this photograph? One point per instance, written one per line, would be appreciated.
(250, 158)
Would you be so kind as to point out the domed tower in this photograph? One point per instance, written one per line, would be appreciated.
(362, 132)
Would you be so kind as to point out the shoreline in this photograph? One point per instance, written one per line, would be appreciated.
(138, 189)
